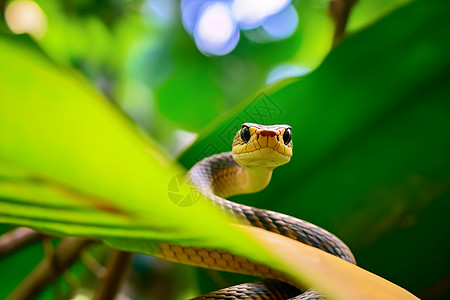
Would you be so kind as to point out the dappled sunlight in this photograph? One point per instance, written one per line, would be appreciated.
(216, 32)
(283, 71)
(215, 25)
(252, 13)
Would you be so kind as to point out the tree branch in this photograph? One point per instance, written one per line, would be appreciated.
(16, 239)
(340, 11)
(117, 267)
(65, 255)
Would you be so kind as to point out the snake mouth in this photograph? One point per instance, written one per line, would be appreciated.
(263, 157)
(258, 142)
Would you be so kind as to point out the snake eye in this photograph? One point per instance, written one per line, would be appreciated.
(287, 136)
(245, 134)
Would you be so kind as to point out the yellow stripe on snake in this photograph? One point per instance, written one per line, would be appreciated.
(256, 151)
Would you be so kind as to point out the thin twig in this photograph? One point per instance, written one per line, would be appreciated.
(340, 11)
(117, 267)
(49, 252)
(3, 5)
(92, 264)
(16, 239)
(73, 281)
(44, 273)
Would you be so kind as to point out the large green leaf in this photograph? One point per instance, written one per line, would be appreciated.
(60, 140)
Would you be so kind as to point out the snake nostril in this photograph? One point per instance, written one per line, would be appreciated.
(268, 133)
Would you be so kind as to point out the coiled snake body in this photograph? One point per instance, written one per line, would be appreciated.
(257, 150)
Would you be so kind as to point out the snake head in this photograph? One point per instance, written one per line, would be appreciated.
(267, 146)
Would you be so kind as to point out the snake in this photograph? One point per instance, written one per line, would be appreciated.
(256, 151)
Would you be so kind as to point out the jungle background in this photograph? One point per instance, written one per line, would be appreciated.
(364, 85)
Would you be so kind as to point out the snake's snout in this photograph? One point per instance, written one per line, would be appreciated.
(270, 133)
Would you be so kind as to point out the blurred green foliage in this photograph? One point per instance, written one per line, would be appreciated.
(371, 125)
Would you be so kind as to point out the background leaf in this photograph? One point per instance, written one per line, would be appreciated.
(72, 151)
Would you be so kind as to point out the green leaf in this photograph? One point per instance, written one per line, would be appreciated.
(67, 141)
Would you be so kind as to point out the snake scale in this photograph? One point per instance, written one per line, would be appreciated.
(256, 151)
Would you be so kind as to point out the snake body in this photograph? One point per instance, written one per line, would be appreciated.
(257, 150)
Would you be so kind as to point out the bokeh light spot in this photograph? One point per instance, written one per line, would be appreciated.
(286, 70)
(161, 11)
(283, 24)
(252, 13)
(216, 31)
(26, 17)
(216, 24)
(190, 10)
